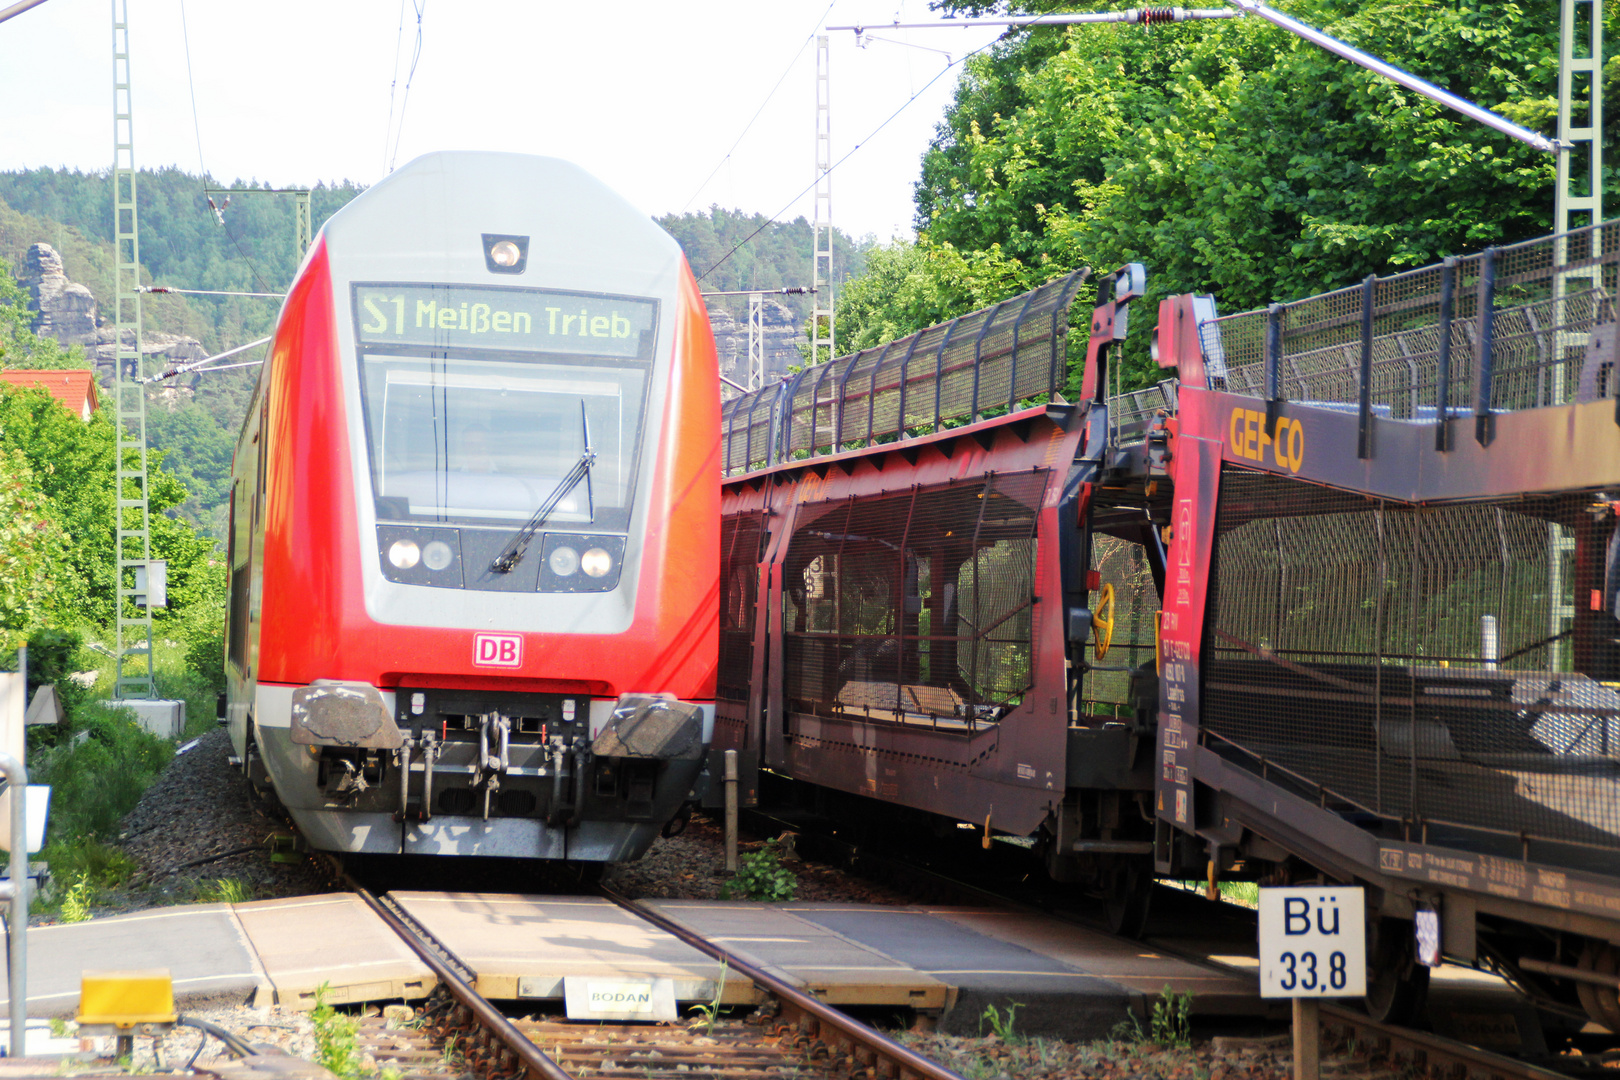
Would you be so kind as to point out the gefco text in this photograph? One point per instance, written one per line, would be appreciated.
(1249, 440)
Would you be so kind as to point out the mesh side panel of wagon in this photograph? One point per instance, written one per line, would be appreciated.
(914, 605)
(1425, 664)
(739, 588)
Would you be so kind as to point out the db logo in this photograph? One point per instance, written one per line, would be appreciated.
(498, 650)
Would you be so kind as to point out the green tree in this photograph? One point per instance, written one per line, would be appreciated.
(71, 463)
(768, 254)
(1233, 158)
(197, 449)
(908, 286)
(20, 347)
(36, 583)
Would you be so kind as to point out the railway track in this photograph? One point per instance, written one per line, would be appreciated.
(1351, 1036)
(793, 1034)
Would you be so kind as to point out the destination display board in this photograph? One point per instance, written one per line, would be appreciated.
(529, 320)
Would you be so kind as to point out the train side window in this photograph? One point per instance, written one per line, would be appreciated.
(241, 575)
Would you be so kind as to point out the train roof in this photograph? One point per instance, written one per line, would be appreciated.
(425, 221)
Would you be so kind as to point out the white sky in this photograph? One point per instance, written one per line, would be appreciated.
(649, 96)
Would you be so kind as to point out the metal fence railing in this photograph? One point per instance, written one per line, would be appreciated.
(986, 360)
(1133, 412)
(1500, 331)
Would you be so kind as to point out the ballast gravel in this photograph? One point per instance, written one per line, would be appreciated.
(197, 826)
(197, 835)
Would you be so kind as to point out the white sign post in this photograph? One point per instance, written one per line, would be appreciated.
(1312, 946)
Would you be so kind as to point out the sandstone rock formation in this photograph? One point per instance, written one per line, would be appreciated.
(67, 311)
(783, 335)
(160, 350)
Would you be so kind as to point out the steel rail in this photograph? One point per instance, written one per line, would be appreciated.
(908, 1062)
(1442, 1056)
(1436, 1051)
(518, 1044)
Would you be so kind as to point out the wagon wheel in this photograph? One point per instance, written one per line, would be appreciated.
(1127, 894)
(1602, 1003)
(1102, 621)
(1397, 985)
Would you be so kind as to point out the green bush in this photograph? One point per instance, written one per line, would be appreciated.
(761, 876)
(97, 780)
(88, 859)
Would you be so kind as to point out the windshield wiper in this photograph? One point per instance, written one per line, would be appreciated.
(513, 553)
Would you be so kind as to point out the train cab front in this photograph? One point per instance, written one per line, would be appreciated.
(491, 572)
(491, 772)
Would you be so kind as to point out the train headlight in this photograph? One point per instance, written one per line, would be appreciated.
(564, 561)
(596, 562)
(505, 254)
(437, 555)
(405, 554)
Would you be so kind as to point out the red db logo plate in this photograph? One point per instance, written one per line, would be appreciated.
(498, 650)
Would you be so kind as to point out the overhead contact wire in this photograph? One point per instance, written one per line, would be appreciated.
(848, 154)
(772, 93)
(196, 128)
(393, 87)
(420, 7)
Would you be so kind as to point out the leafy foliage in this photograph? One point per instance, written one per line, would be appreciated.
(772, 255)
(197, 449)
(1171, 1022)
(1001, 1024)
(225, 890)
(96, 781)
(1229, 157)
(182, 244)
(708, 1012)
(71, 463)
(78, 900)
(761, 876)
(336, 1043)
(36, 584)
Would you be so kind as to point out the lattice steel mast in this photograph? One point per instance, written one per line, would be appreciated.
(1580, 87)
(1577, 201)
(756, 340)
(133, 538)
(821, 317)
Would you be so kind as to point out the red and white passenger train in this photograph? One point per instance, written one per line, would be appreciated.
(474, 523)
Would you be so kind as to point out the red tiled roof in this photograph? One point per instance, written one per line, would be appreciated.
(74, 389)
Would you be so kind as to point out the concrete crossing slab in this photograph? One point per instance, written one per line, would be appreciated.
(1065, 980)
(953, 962)
(1132, 965)
(333, 940)
(203, 946)
(816, 959)
(522, 947)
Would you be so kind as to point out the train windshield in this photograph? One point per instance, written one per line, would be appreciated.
(482, 432)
